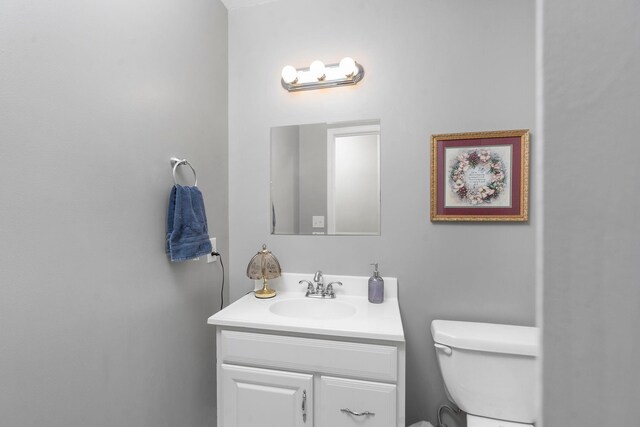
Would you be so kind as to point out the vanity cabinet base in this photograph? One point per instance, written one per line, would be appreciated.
(281, 380)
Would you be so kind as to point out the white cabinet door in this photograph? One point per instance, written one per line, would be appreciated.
(348, 403)
(254, 397)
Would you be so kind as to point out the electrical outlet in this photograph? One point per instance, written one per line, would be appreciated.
(212, 258)
(317, 221)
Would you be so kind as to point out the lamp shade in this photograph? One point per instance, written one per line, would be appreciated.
(264, 265)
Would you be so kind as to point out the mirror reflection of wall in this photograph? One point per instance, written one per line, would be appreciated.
(325, 178)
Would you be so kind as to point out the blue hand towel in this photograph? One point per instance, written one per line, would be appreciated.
(187, 230)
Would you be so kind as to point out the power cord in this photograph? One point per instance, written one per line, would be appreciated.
(214, 253)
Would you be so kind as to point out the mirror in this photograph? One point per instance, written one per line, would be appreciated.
(325, 178)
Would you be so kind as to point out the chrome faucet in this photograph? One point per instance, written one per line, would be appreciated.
(319, 291)
(319, 281)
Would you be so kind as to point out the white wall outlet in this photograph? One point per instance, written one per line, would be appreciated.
(317, 221)
(212, 258)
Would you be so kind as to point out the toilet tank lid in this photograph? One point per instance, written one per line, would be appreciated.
(491, 337)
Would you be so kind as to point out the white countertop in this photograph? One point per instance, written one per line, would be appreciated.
(370, 321)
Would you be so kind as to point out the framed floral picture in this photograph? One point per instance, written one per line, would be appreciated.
(480, 176)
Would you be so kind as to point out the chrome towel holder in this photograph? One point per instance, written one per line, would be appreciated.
(175, 162)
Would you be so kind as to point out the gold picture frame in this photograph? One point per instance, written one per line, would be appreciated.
(480, 176)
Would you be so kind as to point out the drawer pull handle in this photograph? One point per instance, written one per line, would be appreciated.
(304, 406)
(357, 414)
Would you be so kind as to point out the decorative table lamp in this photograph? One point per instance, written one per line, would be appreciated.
(264, 265)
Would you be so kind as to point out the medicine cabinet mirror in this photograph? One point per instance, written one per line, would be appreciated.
(325, 178)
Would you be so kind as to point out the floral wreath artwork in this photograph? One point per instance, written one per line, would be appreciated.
(478, 176)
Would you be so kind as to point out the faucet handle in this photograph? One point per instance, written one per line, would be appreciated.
(329, 290)
(309, 285)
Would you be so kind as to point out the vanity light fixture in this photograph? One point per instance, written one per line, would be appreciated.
(320, 76)
(264, 265)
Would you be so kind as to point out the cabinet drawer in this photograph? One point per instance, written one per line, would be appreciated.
(371, 361)
(371, 404)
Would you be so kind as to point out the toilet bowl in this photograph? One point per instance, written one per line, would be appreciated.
(489, 370)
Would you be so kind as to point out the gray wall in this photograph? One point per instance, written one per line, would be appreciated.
(432, 66)
(591, 229)
(97, 328)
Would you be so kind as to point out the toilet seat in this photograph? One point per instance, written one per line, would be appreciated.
(474, 421)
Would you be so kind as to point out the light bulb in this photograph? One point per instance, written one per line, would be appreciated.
(289, 74)
(348, 67)
(317, 70)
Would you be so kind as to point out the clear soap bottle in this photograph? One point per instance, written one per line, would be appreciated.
(376, 287)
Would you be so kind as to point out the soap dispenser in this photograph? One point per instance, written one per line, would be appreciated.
(376, 287)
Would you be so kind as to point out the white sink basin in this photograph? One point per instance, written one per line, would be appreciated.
(313, 308)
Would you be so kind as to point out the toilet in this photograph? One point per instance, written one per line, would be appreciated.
(489, 371)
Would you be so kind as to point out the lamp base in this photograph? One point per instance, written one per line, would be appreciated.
(265, 293)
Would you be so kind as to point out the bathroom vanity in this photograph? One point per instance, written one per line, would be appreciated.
(292, 361)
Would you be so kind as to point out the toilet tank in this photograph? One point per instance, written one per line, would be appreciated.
(489, 370)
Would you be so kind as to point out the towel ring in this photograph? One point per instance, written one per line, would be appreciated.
(177, 162)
